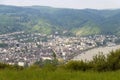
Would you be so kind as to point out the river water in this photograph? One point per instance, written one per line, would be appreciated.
(88, 55)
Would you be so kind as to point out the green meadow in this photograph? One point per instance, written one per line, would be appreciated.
(59, 74)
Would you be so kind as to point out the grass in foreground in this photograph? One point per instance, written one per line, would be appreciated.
(59, 74)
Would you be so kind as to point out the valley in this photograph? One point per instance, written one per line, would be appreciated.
(24, 49)
(59, 39)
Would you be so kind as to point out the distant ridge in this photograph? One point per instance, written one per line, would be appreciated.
(48, 20)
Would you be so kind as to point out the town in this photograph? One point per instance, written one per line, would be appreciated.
(20, 48)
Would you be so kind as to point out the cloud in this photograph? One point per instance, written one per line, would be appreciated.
(98, 4)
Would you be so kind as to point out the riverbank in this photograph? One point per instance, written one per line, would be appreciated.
(88, 55)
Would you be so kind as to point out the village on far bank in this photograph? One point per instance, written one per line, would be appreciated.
(20, 48)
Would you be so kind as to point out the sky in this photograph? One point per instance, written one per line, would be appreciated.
(76, 4)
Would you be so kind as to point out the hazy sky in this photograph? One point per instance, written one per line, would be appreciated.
(79, 4)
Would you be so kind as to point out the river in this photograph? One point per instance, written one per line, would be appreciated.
(88, 55)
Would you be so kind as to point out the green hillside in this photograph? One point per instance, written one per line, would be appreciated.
(49, 20)
(88, 29)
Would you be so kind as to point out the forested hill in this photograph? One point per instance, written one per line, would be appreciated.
(49, 20)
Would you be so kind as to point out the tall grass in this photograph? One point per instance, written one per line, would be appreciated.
(59, 74)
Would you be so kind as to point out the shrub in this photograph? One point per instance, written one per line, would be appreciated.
(99, 62)
(77, 65)
(113, 60)
(14, 67)
(47, 65)
(3, 66)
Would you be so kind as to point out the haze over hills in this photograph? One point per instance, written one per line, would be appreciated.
(49, 20)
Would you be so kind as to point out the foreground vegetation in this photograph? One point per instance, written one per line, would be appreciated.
(100, 68)
(100, 62)
(59, 74)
